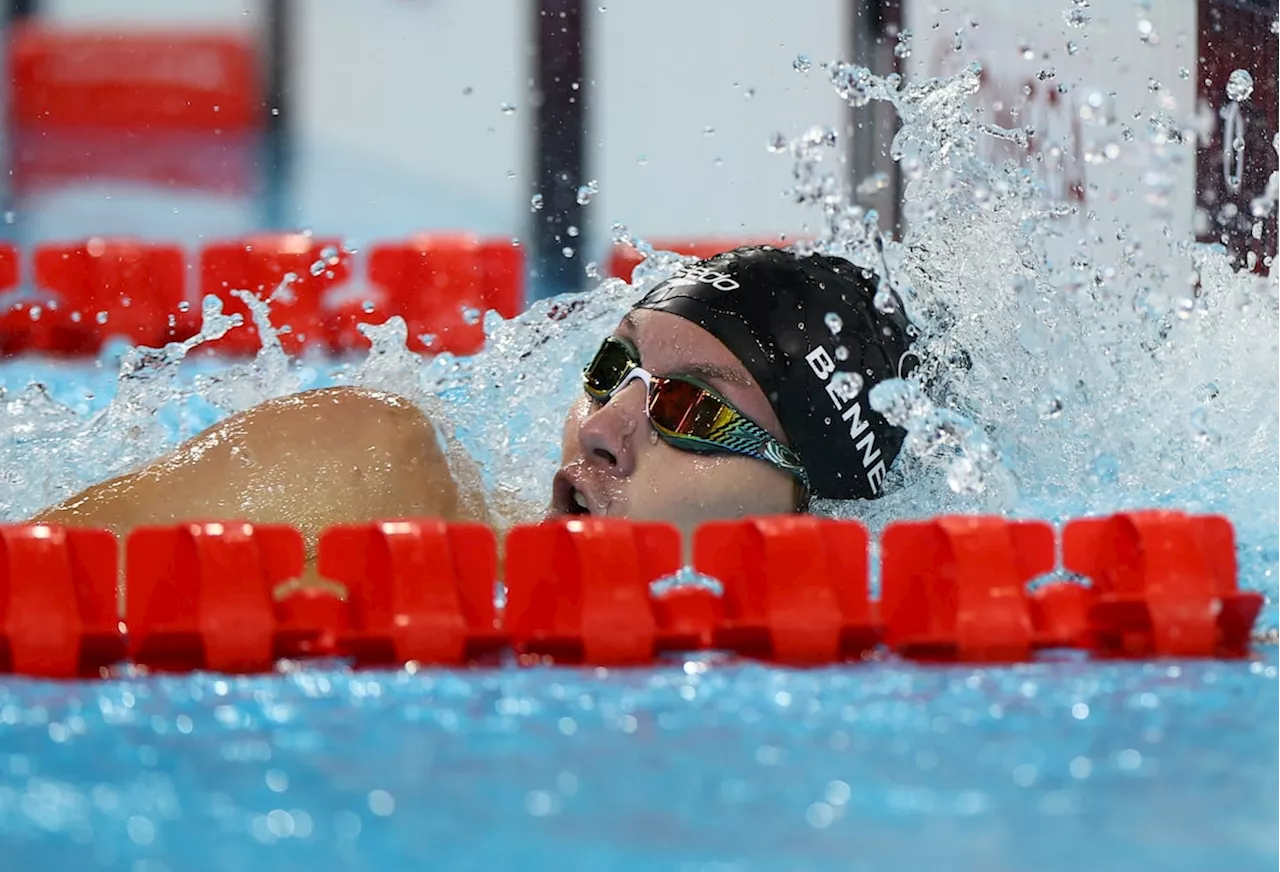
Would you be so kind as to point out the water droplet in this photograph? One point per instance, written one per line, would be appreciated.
(842, 353)
(1076, 15)
(9, 216)
(471, 315)
(708, 131)
(642, 160)
(884, 301)
(101, 317)
(318, 267)
(1153, 85)
(1239, 85)
(802, 63)
(778, 142)
(872, 185)
(1072, 47)
(833, 322)
(587, 192)
(567, 251)
(367, 306)
(592, 270)
(468, 91)
(184, 306)
(535, 203)
(749, 93)
(903, 48)
(508, 109)
(1050, 407)
(847, 385)
(572, 230)
(381, 803)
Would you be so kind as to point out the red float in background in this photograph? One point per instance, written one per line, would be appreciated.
(108, 287)
(578, 589)
(260, 264)
(418, 589)
(199, 594)
(954, 588)
(9, 266)
(58, 613)
(1164, 584)
(795, 587)
(176, 108)
(441, 285)
(16, 329)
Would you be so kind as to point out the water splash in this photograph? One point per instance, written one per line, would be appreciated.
(1062, 371)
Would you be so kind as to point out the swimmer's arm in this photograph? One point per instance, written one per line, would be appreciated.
(339, 455)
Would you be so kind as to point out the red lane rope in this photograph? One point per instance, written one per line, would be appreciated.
(234, 597)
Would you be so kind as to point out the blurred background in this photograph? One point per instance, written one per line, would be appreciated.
(547, 121)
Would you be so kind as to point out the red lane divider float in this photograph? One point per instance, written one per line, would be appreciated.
(440, 284)
(58, 613)
(954, 588)
(199, 595)
(232, 597)
(260, 264)
(578, 590)
(88, 290)
(15, 315)
(109, 287)
(417, 590)
(1164, 584)
(795, 587)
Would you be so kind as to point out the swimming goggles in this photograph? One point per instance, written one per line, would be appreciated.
(687, 414)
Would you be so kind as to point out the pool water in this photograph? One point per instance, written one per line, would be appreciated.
(1071, 387)
(1061, 765)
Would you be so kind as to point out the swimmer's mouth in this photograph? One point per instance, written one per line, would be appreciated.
(567, 498)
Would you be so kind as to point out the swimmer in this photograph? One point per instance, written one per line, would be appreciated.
(737, 387)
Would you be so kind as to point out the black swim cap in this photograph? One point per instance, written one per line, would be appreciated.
(808, 331)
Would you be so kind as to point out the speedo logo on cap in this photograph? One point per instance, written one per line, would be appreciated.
(845, 401)
(697, 274)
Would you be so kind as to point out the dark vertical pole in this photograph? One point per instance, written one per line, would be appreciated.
(1236, 35)
(874, 26)
(277, 145)
(16, 11)
(559, 148)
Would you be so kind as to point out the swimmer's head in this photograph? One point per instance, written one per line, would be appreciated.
(793, 344)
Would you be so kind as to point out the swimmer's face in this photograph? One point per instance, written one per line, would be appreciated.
(614, 462)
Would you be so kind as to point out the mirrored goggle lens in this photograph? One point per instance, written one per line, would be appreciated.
(608, 368)
(683, 408)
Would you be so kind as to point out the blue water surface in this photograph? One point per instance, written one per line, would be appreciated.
(707, 764)
(1062, 765)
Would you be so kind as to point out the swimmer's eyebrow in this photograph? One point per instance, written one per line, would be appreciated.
(711, 373)
(707, 372)
(627, 326)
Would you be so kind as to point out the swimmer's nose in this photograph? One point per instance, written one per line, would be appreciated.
(607, 435)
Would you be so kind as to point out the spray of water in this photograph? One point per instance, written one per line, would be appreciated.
(1064, 370)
